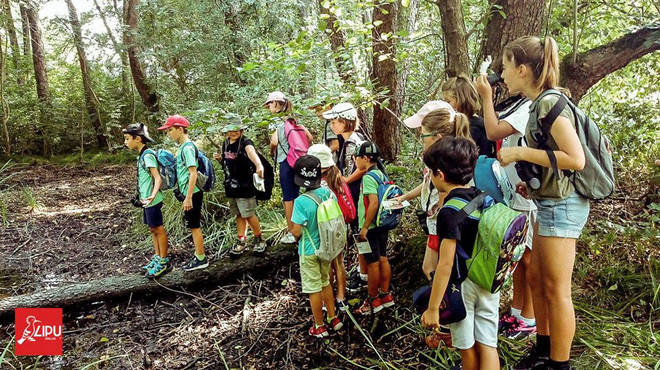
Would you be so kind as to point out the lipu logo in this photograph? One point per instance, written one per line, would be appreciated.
(38, 331)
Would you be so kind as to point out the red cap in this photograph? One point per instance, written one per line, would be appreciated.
(175, 121)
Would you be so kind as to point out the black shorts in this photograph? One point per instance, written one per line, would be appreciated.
(153, 216)
(192, 218)
(378, 243)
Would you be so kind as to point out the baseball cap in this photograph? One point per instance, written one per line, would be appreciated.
(307, 172)
(367, 148)
(342, 110)
(415, 120)
(233, 123)
(275, 96)
(138, 129)
(323, 153)
(174, 121)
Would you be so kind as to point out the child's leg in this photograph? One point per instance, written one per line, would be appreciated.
(241, 226)
(373, 281)
(329, 300)
(315, 301)
(487, 357)
(364, 266)
(470, 359)
(535, 279)
(160, 239)
(254, 225)
(198, 240)
(288, 211)
(154, 237)
(340, 273)
(527, 307)
(385, 274)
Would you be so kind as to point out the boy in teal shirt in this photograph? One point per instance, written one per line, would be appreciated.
(186, 174)
(149, 196)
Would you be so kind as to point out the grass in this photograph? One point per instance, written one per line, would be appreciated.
(91, 158)
(31, 199)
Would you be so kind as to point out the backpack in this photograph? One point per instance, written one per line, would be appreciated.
(332, 229)
(346, 204)
(596, 179)
(489, 176)
(500, 238)
(386, 219)
(205, 171)
(297, 139)
(166, 167)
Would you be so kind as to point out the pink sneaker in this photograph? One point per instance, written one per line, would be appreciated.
(369, 306)
(387, 300)
(507, 321)
(320, 332)
(335, 324)
(520, 330)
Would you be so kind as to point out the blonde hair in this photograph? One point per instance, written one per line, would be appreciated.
(349, 125)
(541, 57)
(440, 122)
(333, 179)
(285, 107)
(463, 91)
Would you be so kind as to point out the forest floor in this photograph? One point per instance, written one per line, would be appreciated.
(66, 224)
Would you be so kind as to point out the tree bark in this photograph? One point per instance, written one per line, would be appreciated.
(13, 39)
(119, 286)
(90, 99)
(455, 37)
(591, 66)
(387, 108)
(3, 105)
(25, 23)
(149, 97)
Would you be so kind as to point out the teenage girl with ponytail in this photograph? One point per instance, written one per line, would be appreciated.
(531, 67)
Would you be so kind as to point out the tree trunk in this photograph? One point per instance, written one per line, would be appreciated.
(90, 99)
(13, 39)
(455, 37)
(119, 286)
(149, 97)
(125, 82)
(523, 17)
(387, 108)
(3, 105)
(593, 65)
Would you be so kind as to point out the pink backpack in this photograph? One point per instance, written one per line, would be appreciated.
(297, 139)
(346, 204)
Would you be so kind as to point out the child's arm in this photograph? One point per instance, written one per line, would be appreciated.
(355, 176)
(414, 193)
(153, 171)
(369, 215)
(192, 182)
(273, 143)
(252, 154)
(296, 230)
(495, 129)
(310, 138)
(431, 317)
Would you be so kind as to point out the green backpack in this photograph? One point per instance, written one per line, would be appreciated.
(499, 240)
(332, 228)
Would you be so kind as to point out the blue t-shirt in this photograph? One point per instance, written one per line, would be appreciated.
(304, 214)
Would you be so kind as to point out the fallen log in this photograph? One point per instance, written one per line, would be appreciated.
(119, 286)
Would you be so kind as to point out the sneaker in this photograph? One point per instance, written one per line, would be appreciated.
(320, 332)
(387, 300)
(519, 330)
(160, 268)
(370, 305)
(441, 337)
(196, 264)
(335, 324)
(154, 260)
(258, 245)
(288, 239)
(238, 248)
(355, 283)
(507, 321)
(531, 360)
(342, 305)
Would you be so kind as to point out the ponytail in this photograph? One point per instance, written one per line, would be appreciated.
(541, 57)
(333, 179)
(446, 122)
(462, 126)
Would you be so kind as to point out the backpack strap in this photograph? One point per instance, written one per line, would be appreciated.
(546, 125)
(313, 196)
(376, 177)
(316, 199)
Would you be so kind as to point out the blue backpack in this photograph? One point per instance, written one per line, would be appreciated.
(166, 167)
(205, 171)
(386, 218)
(489, 176)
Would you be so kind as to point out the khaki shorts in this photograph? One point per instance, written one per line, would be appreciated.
(313, 274)
(244, 206)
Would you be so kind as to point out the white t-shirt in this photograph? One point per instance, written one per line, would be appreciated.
(518, 120)
(430, 201)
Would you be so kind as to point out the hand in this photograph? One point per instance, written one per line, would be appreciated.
(363, 234)
(521, 188)
(146, 201)
(508, 155)
(483, 87)
(187, 204)
(260, 171)
(431, 318)
(397, 200)
(216, 156)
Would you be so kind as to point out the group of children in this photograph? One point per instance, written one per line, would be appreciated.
(346, 169)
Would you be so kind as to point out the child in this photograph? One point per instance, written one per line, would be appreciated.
(239, 161)
(451, 162)
(186, 176)
(531, 66)
(461, 94)
(313, 271)
(510, 128)
(331, 178)
(378, 266)
(136, 137)
(344, 122)
(279, 104)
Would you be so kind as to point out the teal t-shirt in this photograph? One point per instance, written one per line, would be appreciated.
(145, 181)
(369, 186)
(185, 158)
(304, 214)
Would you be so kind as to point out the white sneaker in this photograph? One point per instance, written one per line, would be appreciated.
(288, 239)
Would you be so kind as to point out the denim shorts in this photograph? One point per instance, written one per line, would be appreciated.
(290, 190)
(564, 218)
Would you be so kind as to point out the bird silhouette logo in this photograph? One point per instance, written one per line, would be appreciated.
(29, 331)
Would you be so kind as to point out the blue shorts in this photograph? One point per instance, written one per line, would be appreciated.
(563, 218)
(290, 190)
(153, 216)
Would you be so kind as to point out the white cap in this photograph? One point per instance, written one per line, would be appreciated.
(342, 110)
(323, 153)
(415, 120)
(275, 96)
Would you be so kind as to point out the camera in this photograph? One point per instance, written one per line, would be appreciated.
(494, 79)
(421, 218)
(135, 201)
(529, 173)
(178, 195)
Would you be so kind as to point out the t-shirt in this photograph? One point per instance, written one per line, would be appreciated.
(346, 162)
(185, 158)
(465, 233)
(282, 142)
(304, 214)
(429, 199)
(238, 169)
(518, 120)
(553, 185)
(478, 133)
(145, 181)
(369, 186)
